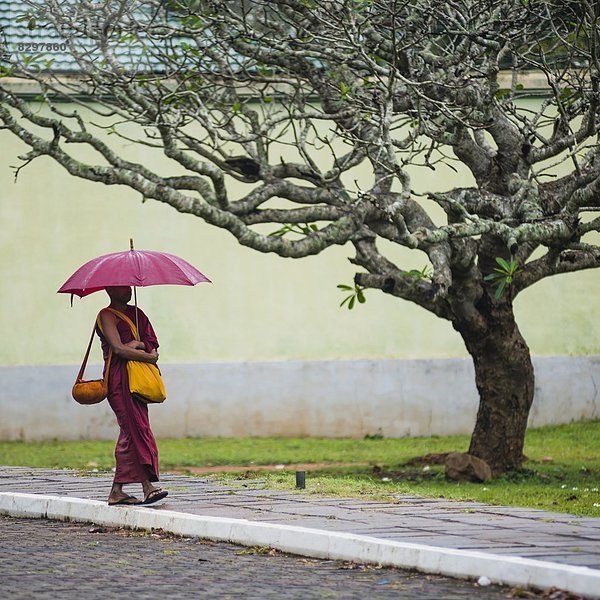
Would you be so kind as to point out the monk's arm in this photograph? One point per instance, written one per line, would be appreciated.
(109, 328)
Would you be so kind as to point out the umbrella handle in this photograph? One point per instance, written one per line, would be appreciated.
(137, 326)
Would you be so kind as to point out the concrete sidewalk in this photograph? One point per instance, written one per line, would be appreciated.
(514, 546)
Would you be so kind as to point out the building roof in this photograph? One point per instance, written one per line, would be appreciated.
(20, 41)
(45, 46)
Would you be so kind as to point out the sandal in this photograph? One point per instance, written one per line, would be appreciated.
(155, 496)
(127, 501)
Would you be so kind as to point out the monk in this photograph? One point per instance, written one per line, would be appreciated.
(136, 452)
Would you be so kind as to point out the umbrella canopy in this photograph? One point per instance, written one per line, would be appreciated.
(137, 268)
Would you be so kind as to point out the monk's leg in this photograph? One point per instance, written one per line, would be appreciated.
(152, 493)
(125, 468)
(116, 493)
(129, 469)
(136, 453)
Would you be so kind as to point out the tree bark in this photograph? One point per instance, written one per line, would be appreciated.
(505, 379)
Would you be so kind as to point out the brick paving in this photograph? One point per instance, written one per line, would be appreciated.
(49, 560)
(537, 534)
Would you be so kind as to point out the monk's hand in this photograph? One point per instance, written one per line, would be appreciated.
(136, 345)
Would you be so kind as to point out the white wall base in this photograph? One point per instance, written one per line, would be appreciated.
(296, 398)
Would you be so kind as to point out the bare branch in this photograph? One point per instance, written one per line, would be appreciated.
(287, 98)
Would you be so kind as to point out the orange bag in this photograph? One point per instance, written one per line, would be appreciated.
(91, 391)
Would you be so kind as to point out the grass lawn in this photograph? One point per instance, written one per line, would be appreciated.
(562, 472)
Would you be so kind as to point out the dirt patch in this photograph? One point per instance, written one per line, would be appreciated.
(415, 470)
(397, 474)
(427, 459)
(414, 475)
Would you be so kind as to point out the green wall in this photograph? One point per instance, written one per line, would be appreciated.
(260, 306)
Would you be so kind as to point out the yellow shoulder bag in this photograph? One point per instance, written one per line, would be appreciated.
(145, 380)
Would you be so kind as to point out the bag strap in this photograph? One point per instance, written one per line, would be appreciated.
(87, 353)
(125, 318)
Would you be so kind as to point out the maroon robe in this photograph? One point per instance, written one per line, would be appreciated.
(136, 452)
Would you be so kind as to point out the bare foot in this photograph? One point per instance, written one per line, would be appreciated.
(123, 499)
(155, 495)
(117, 495)
(152, 493)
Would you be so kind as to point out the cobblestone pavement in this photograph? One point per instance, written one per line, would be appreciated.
(54, 560)
(536, 534)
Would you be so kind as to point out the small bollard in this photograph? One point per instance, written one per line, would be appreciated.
(300, 480)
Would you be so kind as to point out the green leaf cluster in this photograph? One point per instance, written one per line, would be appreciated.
(503, 276)
(192, 22)
(32, 59)
(356, 293)
(30, 18)
(6, 71)
(345, 89)
(425, 274)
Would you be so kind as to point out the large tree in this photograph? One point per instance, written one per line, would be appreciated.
(391, 86)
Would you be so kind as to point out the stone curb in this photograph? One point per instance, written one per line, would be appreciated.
(506, 570)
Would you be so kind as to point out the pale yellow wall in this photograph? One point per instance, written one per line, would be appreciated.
(260, 306)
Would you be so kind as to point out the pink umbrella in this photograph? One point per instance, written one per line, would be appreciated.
(136, 268)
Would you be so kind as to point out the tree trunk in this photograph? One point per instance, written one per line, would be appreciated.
(505, 380)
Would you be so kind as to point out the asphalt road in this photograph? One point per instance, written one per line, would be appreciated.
(47, 559)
